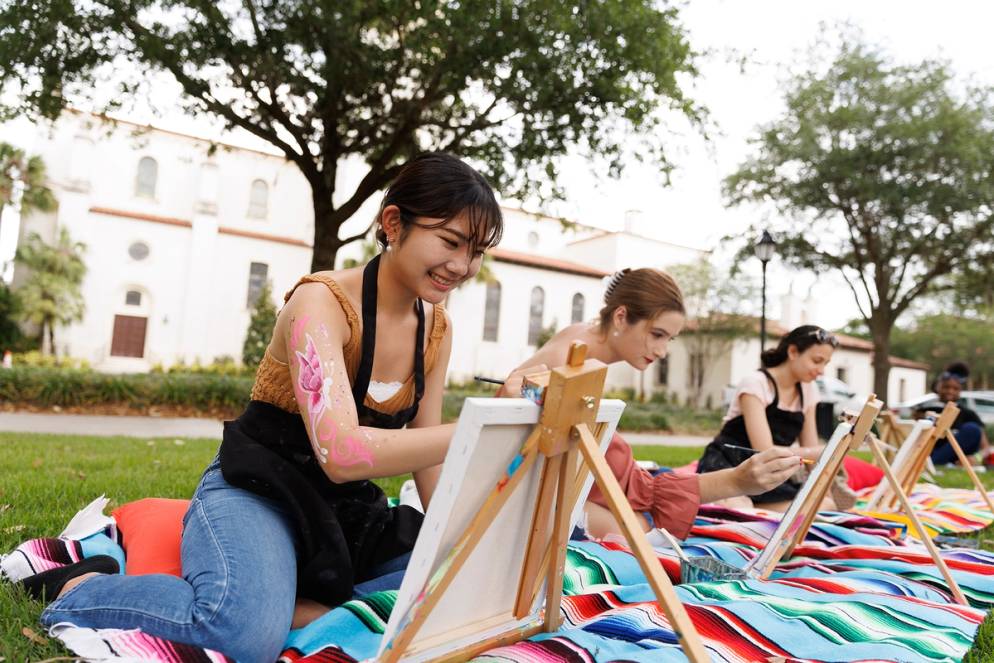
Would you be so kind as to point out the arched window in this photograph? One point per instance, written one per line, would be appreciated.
(535, 311)
(491, 312)
(577, 314)
(258, 200)
(148, 173)
(133, 298)
(258, 274)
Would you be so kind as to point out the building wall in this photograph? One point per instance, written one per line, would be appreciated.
(194, 280)
(471, 355)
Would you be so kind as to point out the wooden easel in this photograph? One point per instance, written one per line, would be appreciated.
(892, 433)
(883, 498)
(797, 519)
(564, 430)
(808, 509)
(943, 428)
(913, 517)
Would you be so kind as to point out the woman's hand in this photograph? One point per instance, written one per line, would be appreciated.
(512, 385)
(767, 470)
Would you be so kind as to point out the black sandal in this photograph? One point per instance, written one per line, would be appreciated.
(48, 584)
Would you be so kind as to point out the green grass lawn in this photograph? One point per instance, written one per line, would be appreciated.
(46, 479)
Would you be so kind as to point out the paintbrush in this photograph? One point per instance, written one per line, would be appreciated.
(806, 461)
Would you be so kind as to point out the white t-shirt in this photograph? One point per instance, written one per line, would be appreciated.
(757, 384)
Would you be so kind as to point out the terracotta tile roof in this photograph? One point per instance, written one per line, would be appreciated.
(542, 262)
(775, 330)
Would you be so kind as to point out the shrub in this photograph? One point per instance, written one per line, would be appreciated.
(36, 359)
(47, 387)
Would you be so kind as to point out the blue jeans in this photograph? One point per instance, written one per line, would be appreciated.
(968, 436)
(238, 587)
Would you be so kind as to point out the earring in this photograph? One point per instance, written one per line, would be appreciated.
(389, 246)
(616, 333)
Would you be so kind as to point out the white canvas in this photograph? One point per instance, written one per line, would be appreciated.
(793, 518)
(917, 434)
(480, 601)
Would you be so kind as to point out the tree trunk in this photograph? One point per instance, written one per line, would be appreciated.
(880, 332)
(327, 223)
(46, 339)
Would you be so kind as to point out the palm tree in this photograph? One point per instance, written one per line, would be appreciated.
(51, 293)
(23, 177)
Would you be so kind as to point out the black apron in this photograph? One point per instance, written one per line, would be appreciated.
(785, 427)
(343, 530)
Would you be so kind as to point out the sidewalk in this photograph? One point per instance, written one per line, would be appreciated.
(106, 426)
(88, 424)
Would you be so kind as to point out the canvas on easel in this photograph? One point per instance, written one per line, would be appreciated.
(883, 498)
(796, 521)
(487, 568)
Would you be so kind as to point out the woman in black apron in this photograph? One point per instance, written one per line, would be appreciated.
(288, 510)
(780, 415)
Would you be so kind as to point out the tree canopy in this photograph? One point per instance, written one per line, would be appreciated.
(882, 172)
(509, 84)
(50, 295)
(22, 180)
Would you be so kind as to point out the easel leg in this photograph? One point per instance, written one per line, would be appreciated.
(666, 596)
(536, 555)
(560, 539)
(922, 532)
(954, 443)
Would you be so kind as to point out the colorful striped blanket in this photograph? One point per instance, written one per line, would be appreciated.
(859, 589)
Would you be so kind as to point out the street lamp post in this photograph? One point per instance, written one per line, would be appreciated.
(764, 251)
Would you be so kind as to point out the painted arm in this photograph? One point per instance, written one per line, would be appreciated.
(313, 330)
(430, 412)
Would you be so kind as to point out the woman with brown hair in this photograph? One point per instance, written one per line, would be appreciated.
(643, 311)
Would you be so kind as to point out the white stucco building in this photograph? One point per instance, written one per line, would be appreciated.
(182, 231)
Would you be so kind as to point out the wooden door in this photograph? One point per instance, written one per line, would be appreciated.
(129, 336)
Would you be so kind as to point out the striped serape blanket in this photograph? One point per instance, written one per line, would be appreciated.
(858, 589)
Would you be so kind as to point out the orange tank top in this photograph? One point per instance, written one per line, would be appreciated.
(274, 385)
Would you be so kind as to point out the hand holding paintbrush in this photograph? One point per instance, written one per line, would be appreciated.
(751, 451)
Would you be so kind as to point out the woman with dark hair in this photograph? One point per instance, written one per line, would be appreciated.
(775, 406)
(968, 427)
(643, 311)
(287, 509)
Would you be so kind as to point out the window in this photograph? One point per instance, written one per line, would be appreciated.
(577, 314)
(258, 200)
(695, 379)
(663, 371)
(533, 239)
(983, 406)
(902, 388)
(138, 251)
(133, 298)
(148, 173)
(491, 312)
(842, 373)
(258, 272)
(535, 311)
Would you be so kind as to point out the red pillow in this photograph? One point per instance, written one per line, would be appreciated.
(861, 474)
(151, 529)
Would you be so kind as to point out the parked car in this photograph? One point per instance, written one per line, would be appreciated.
(981, 402)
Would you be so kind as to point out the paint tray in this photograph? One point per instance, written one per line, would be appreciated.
(708, 569)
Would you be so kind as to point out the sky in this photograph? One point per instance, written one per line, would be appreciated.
(768, 35)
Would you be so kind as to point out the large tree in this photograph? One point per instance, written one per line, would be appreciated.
(881, 172)
(509, 84)
(51, 295)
